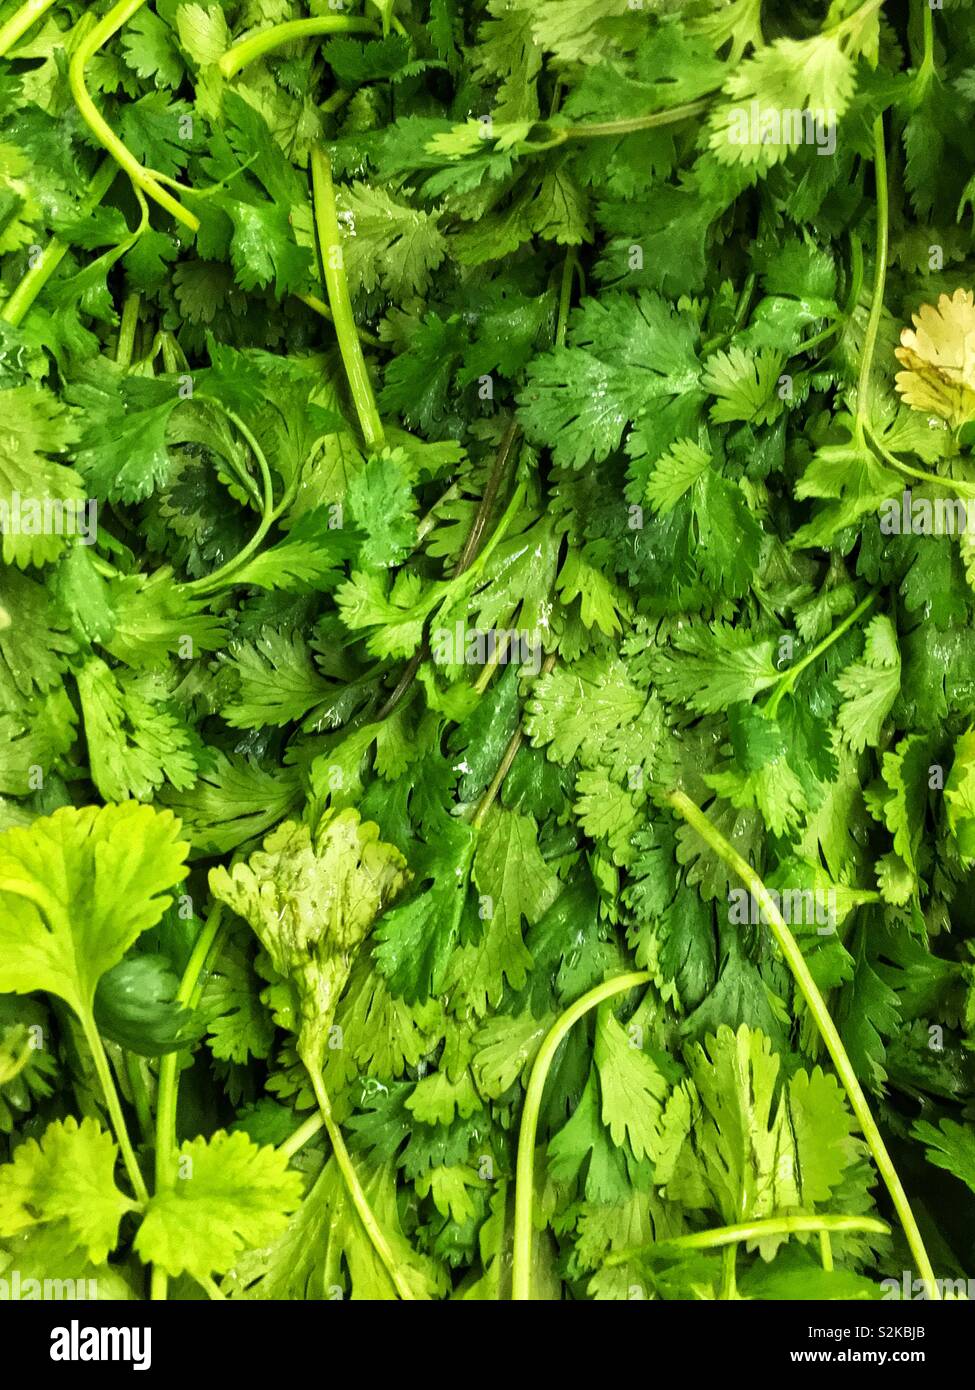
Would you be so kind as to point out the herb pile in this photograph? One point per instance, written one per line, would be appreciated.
(485, 562)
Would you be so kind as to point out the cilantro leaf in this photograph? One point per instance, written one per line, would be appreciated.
(230, 1195)
(63, 934)
(67, 1175)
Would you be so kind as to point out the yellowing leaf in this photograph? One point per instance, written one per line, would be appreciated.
(939, 354)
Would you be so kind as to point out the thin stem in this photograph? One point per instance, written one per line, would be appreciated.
(142, 177)
(740, 314)
(484, 679)
(402, 686)
(521, 1265)
(190, 987)
(126, 332)
(796, 961)
(318, 306)
(134, 1071)
(498, 471)
(40, 272)
(225, 573)
(826, 1251)
(170, 352)
(498, 534)
(719, 1236)
(301, 1136)
(20, 21)
(957, 485)
(337, 289)
(114, 1106)
(565, 298)
(599, 129)
(879, 278)
(426, 525)
(267, 40)
(360, 1201)
(926, 69)
(788, 678)
(856, 275)
(336, 101)
(729, 1283)
(820, 337)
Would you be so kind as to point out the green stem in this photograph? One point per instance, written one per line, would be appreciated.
(521, 1266)
(190, 987)
(318, 306)
(360, 1201)
(600, 129)
(260, 44)
(114, 1106)
(719, 1236)
(497, 536)
(796, 961)
(856, 275)
(426, 525)
(33, 282)
(565, 298)
(490, 667)
(170, 353)
(956, 485)
(820, 337)
(225, 573)
(729, 1283)
(301, 1136)
(788, 678)
(134, 1070)
(142, 177)
(336, 101)
(740, 314)
(826, 1251)
(879, 278)
(20, 21)
(337, 289)
(926, 69)
(126, 332)
(469, 567)
(499, 469)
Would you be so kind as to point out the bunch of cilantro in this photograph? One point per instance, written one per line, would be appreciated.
(487, 671)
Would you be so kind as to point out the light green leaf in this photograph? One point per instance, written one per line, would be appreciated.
(76, 890)
(312, 901)
(68, 1175)
(230, 1195)
(631, 1087)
